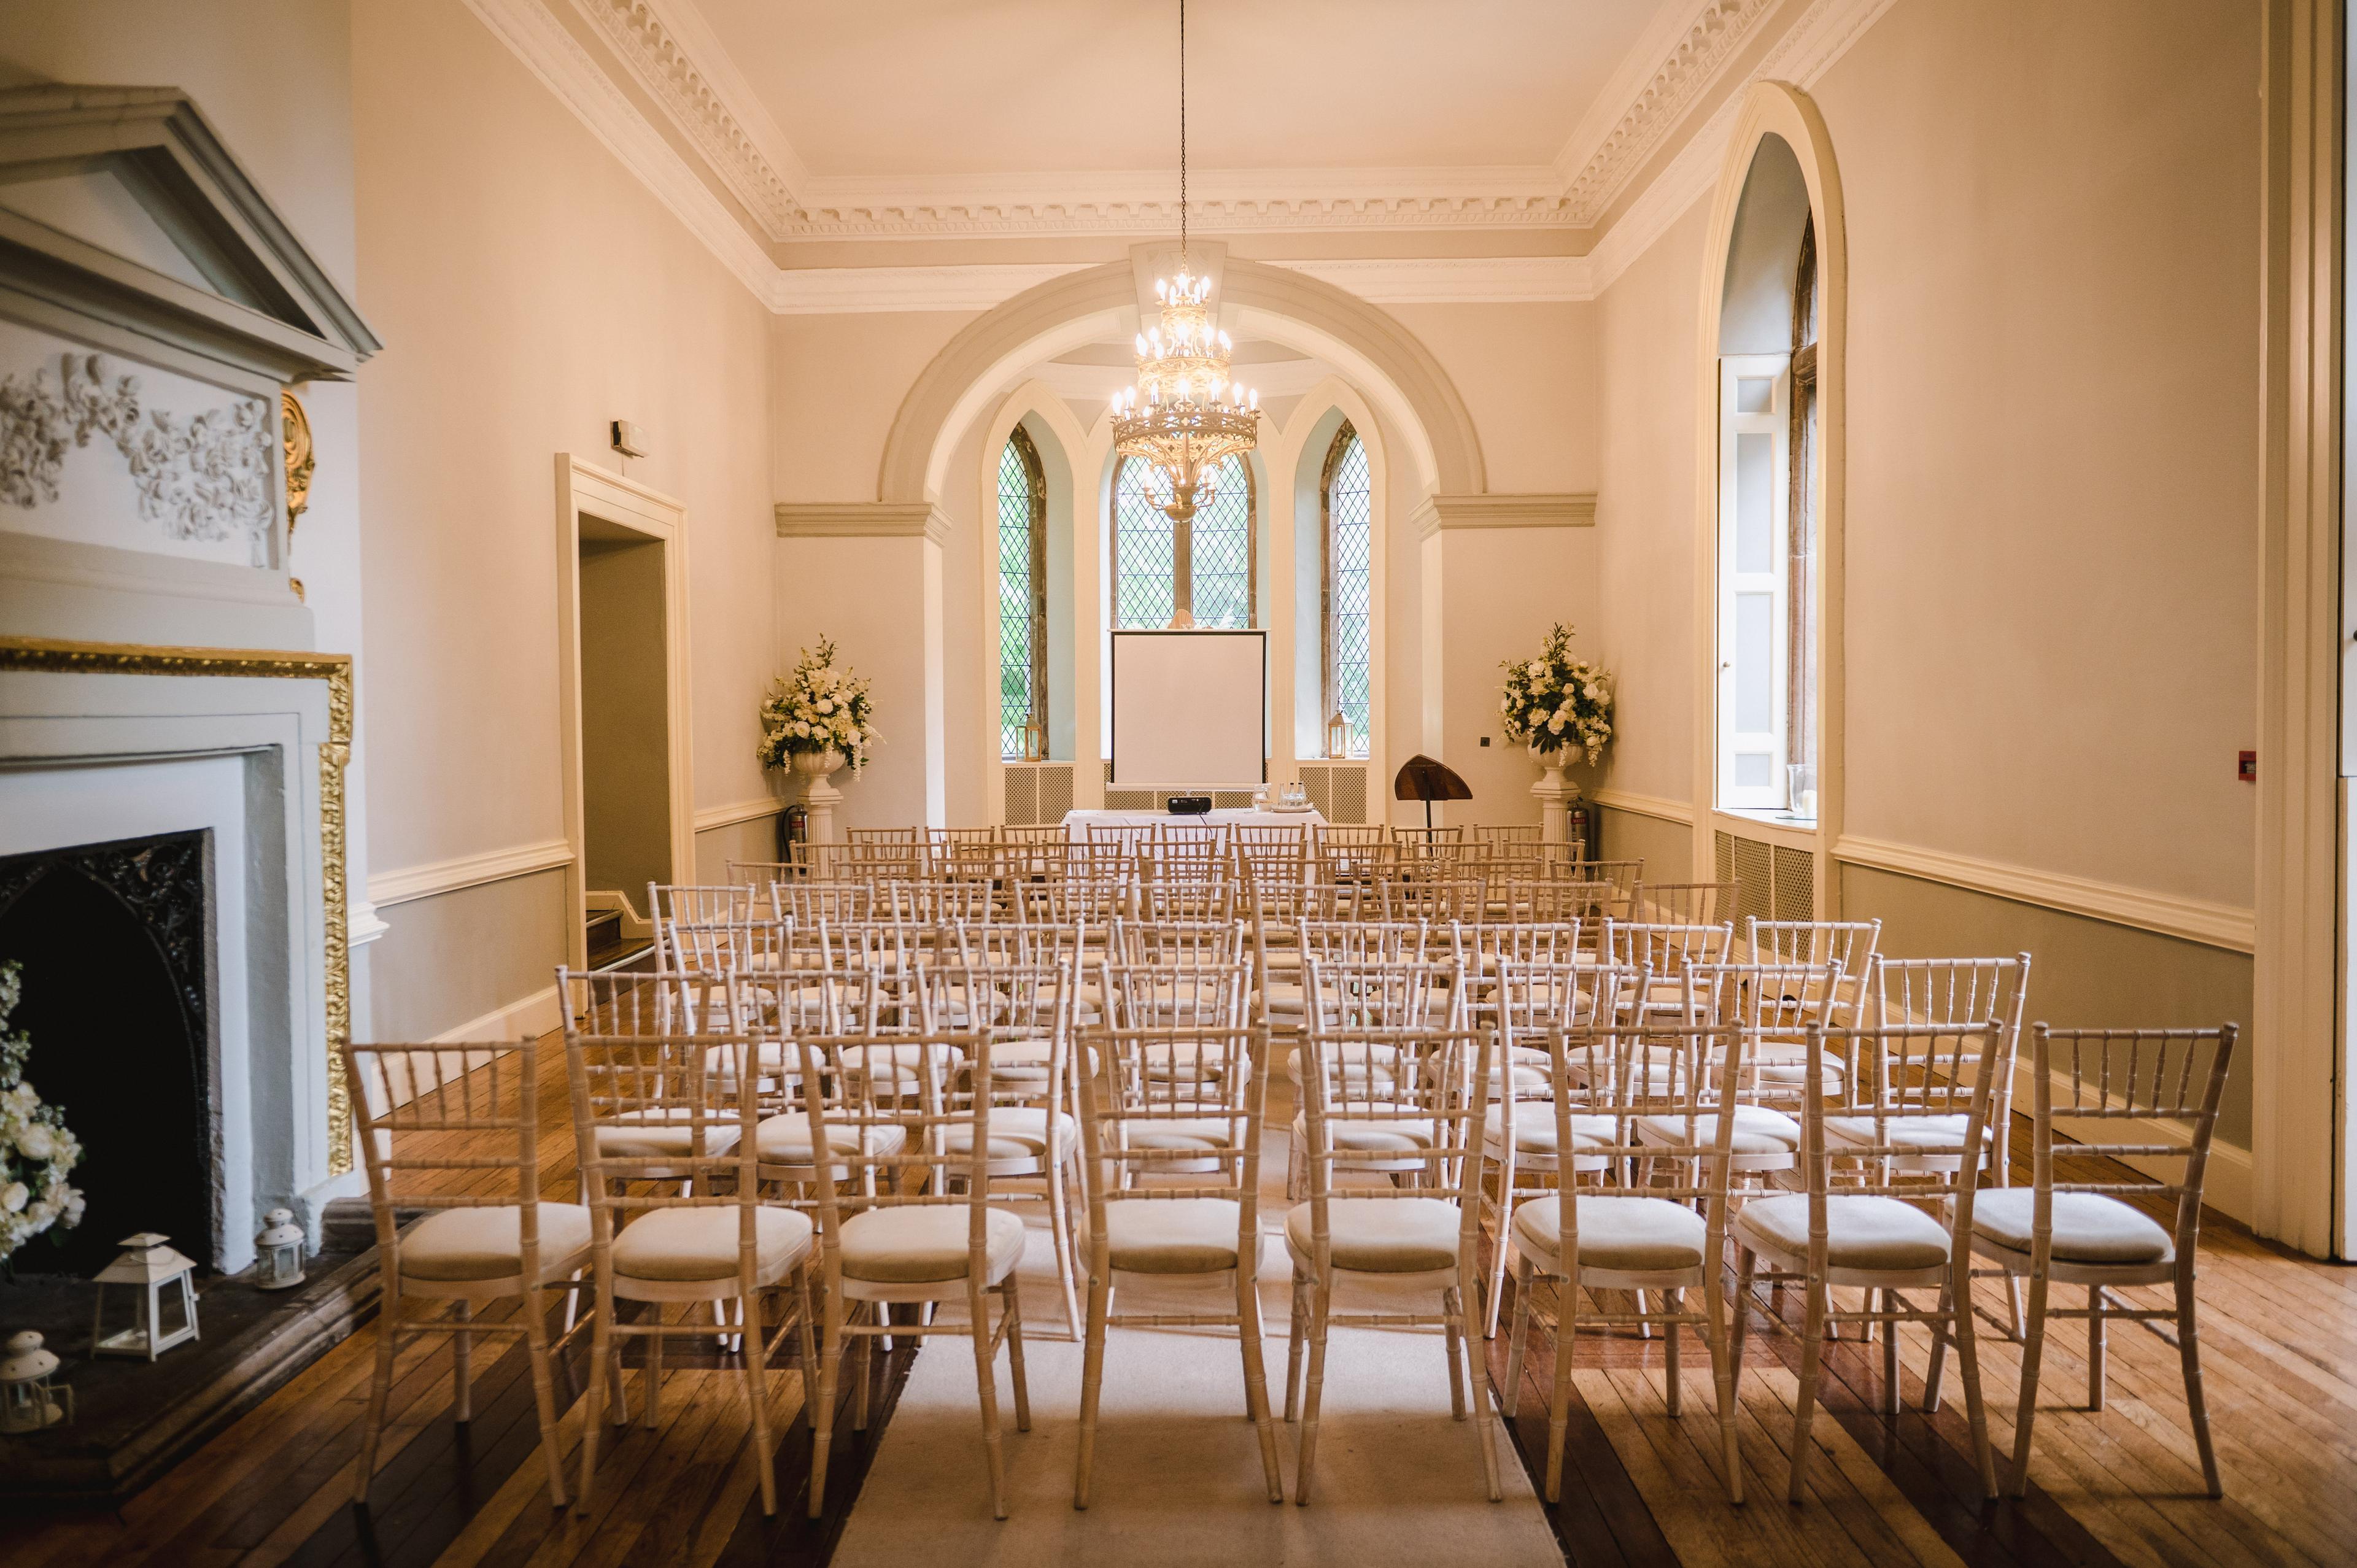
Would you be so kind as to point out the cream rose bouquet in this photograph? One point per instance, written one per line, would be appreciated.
(817, 708)
(1557, 703)
(37, 1153)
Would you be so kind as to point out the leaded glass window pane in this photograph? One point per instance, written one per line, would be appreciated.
(1142, 548)
(1022, 594)
(1350, 585)
(1222, 549)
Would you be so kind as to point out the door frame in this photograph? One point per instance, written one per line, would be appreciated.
(583, 489)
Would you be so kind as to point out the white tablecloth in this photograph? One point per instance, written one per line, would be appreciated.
(1077, 823)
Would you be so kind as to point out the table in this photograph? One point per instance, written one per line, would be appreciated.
(1077, 823)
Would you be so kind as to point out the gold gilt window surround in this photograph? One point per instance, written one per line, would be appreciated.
(39, 656)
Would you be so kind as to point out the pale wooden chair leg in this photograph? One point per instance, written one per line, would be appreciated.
(1505, 1241)
(1012, 1311)
(601, 1367)
(1257, 1381)
(2096, 1303)
(1453, 1315)
(1566, 1330)
(1297, 1337)
(2189, 1352)
(2033, 1350)
(1484, 1415)
(804, 1336)
(1968, 1362)
(462, 1344)
(1061, 1224)
(1722, 1377)
(1671, 1373)
(1935, 1371)
(1804, 1409)
(1321, 1304)
(373, 1423)
(543, 1390)
(986, 1373)
(1517, 1335)
(753, 1364)
(1092, 1386)
(864, 1369)
(1745, 1264)
(1889, 1356)
(830, 1379)
(2013, 1306)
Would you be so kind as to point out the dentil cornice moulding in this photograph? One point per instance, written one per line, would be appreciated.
(1418, 280)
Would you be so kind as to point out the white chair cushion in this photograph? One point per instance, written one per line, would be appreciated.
(1027, 1059)
(920, 1244)
(1918, 1131)
(1758, 1131)
(1016, 1133)
(2088, 1227)
(1381, 1236)
(689, 1244)
(773, 1060)
(1357, 1065)
(1184, 1132)
(1185, 1061)
(1373, 1135)
(1863, 1231)
(650, 1135)
(487, 1243)
(1534, 1129)
(1181, 1236)
(1630, 1235)
(784, 1139)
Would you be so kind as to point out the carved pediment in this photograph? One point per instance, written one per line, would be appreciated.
(122, 206)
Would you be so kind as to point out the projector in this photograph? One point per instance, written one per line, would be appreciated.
(1190, 805)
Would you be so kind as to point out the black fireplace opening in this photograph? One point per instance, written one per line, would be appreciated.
(116, 941)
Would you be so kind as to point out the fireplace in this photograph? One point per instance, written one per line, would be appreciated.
(116, 945)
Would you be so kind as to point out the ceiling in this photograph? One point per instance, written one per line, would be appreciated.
(916, 89)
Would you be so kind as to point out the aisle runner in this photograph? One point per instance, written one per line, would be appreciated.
(1179, 1479)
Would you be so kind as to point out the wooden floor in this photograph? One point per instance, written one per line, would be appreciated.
(2279, 1336)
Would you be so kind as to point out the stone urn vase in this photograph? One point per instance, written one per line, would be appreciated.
(1553, 792)
(815, 770)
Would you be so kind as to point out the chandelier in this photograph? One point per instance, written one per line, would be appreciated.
(1186, 415)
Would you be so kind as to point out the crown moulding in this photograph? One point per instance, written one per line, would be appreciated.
(862, 520)
(685, 68)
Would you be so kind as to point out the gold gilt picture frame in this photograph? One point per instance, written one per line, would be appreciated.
(49, 656)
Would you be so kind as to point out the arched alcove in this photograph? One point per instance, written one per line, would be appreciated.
(1770, 455)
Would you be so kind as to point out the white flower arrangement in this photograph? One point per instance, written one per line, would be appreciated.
(817, 708)
(1557, 703)
(37, 1152)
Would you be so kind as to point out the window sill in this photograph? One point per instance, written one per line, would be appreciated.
(1770, 816)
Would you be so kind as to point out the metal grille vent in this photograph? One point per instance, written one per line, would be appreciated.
(1055, 792)
(1022, 796)
(1754, 870)
(1349, 795)
(1796, 883)
(1722, 857)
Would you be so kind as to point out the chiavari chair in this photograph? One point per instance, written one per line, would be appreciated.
(1532, 999)
(667, 904)
(1668, 1239)
(1875, 1235)
(1955, 992)
(1429, 892)
(1131, 840)
(1665, 949)
(1420, 1237)
(1513, 833)
(778, 995)
(1624, 876)
(1350, 853)
(713, 1242)
(1284, 1004)
(669, 1006)
(1371, 1001)
(1189, 879)
(2097, 1232)
(454, 1134)
(1174, 1193)
(1090, 885)
(895, 1241)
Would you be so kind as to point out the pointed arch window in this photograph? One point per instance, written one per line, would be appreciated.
(1217, 546)
(1022, 599)
(1346, 584)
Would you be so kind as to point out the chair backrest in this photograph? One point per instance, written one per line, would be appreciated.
(1361, 997)
(762, 875)
(1430, 891)
(1204, 838)
(1368, 941)
(1777, 1000)
(1188, 880)
(1254, 840)
(1511, 833)
(1193, 941)
(1684, 903)
(1126, 1100)
(854, 1112)
(1354, 1072)
(970, 838)
(806, 903)
(448, 1127)
(913, 838)
(1210, 994)
(1947, 990)
(1907, 1082)
(1129, 840)
(645, 1002)
(1666, 950)
(1677, 1077)
(1488, 942)
(1534, 997)
(669, 903)
(2108, 1083)
(1543, 891)
(1849, 943)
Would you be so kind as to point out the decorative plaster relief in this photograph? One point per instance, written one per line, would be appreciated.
(198, 465)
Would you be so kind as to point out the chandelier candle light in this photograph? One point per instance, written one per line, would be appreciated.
(1186, 415)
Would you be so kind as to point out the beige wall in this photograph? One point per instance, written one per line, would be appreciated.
(1500, 589)
(529, 290)
(836, 383)
(451, 960)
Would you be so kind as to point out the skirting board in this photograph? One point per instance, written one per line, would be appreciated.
(534, 1015)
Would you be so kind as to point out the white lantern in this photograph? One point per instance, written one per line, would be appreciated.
(278, 1263)
(29, 1400)
(156, 1274)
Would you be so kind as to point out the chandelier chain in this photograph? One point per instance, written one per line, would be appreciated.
(1182, 128)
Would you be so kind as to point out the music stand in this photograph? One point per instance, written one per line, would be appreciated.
(1422, 779)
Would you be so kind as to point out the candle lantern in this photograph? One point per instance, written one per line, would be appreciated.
(157, 1275)
(30, 1399)
(278, 1251)
(1338, 736)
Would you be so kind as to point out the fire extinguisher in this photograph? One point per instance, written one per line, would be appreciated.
(793, 828)
(1580, 825)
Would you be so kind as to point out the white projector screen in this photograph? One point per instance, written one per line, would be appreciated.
(1189, 707)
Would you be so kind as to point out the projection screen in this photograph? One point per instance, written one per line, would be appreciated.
(1189, 707)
